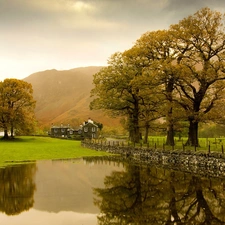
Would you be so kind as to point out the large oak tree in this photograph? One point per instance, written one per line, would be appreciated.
(162, 72)
(200, 43)
(183, 68)
(16, 106)
(115, 94)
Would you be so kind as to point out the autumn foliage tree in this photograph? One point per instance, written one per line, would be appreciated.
(200, 46)
(115, 94)
(183, 68)
(162, 73)
(16, 106)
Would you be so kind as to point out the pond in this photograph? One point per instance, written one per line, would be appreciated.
(101, 191)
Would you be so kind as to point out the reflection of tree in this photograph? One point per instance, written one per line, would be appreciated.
(17, 188)
(127, 198)
(203, 206)
(141, 196)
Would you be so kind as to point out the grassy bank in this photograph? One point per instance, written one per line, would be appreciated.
(214, 144)
(41, 148)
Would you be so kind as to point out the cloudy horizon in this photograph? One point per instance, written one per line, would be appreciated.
(64, 34)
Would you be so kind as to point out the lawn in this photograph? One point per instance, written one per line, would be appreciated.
(23, 149)
(205, 144)
(214, 144)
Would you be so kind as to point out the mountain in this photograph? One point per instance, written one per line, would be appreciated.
(64, 97)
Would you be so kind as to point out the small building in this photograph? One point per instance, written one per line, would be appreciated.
(60, 131)
(90, 130)
(87, 130)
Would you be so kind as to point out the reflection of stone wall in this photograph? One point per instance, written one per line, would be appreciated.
(212, 164)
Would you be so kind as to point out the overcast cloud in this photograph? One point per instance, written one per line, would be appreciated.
(63, 34)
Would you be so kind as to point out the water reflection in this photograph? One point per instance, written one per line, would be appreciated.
(17, 188)
(107, 191)
(151, 195)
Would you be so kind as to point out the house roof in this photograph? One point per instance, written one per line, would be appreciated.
(88, 123)
(65, 127)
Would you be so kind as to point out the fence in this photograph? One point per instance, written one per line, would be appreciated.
(199, 162)
(206, 144)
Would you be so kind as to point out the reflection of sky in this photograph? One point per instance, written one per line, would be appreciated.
(68, 185)
(64, 193)
(36, 217)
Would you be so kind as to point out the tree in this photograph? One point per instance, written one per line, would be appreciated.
(161, 74)
(16, 105)
(200, 50)
(115, 92)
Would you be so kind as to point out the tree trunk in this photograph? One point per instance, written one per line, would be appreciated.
(6, 136)
(192, 133)
(136, 133)
(170, 120)
(134, 117)
(146, 133)
(170, 135)
(12, 131)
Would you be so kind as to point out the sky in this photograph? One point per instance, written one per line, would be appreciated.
(38, 35)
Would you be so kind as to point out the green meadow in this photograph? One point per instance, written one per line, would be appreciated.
(32, 148)
(22, 149)
(205, 144)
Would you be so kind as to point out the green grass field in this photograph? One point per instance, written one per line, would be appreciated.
(206, 144)
(23, 149)
(214, 144)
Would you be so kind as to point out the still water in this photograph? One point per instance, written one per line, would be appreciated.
(102, 191)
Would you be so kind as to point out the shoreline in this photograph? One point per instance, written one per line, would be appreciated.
(208, 164)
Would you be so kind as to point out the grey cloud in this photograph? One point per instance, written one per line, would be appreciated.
(51, 30)
(179, 9)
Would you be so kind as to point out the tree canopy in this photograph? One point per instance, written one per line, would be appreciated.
(16, 106)
(176, 74)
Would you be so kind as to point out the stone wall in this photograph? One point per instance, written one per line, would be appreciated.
(201, 163)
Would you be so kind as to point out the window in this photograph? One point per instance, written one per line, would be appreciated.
(93, 129)
(85, 129)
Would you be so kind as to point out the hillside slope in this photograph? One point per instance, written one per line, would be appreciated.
(64, 96)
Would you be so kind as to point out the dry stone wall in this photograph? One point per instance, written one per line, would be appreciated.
(201, 163)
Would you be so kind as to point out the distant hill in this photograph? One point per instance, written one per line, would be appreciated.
(64, 97)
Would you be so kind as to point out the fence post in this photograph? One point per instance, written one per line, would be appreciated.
(209, 148)
(222, 149)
